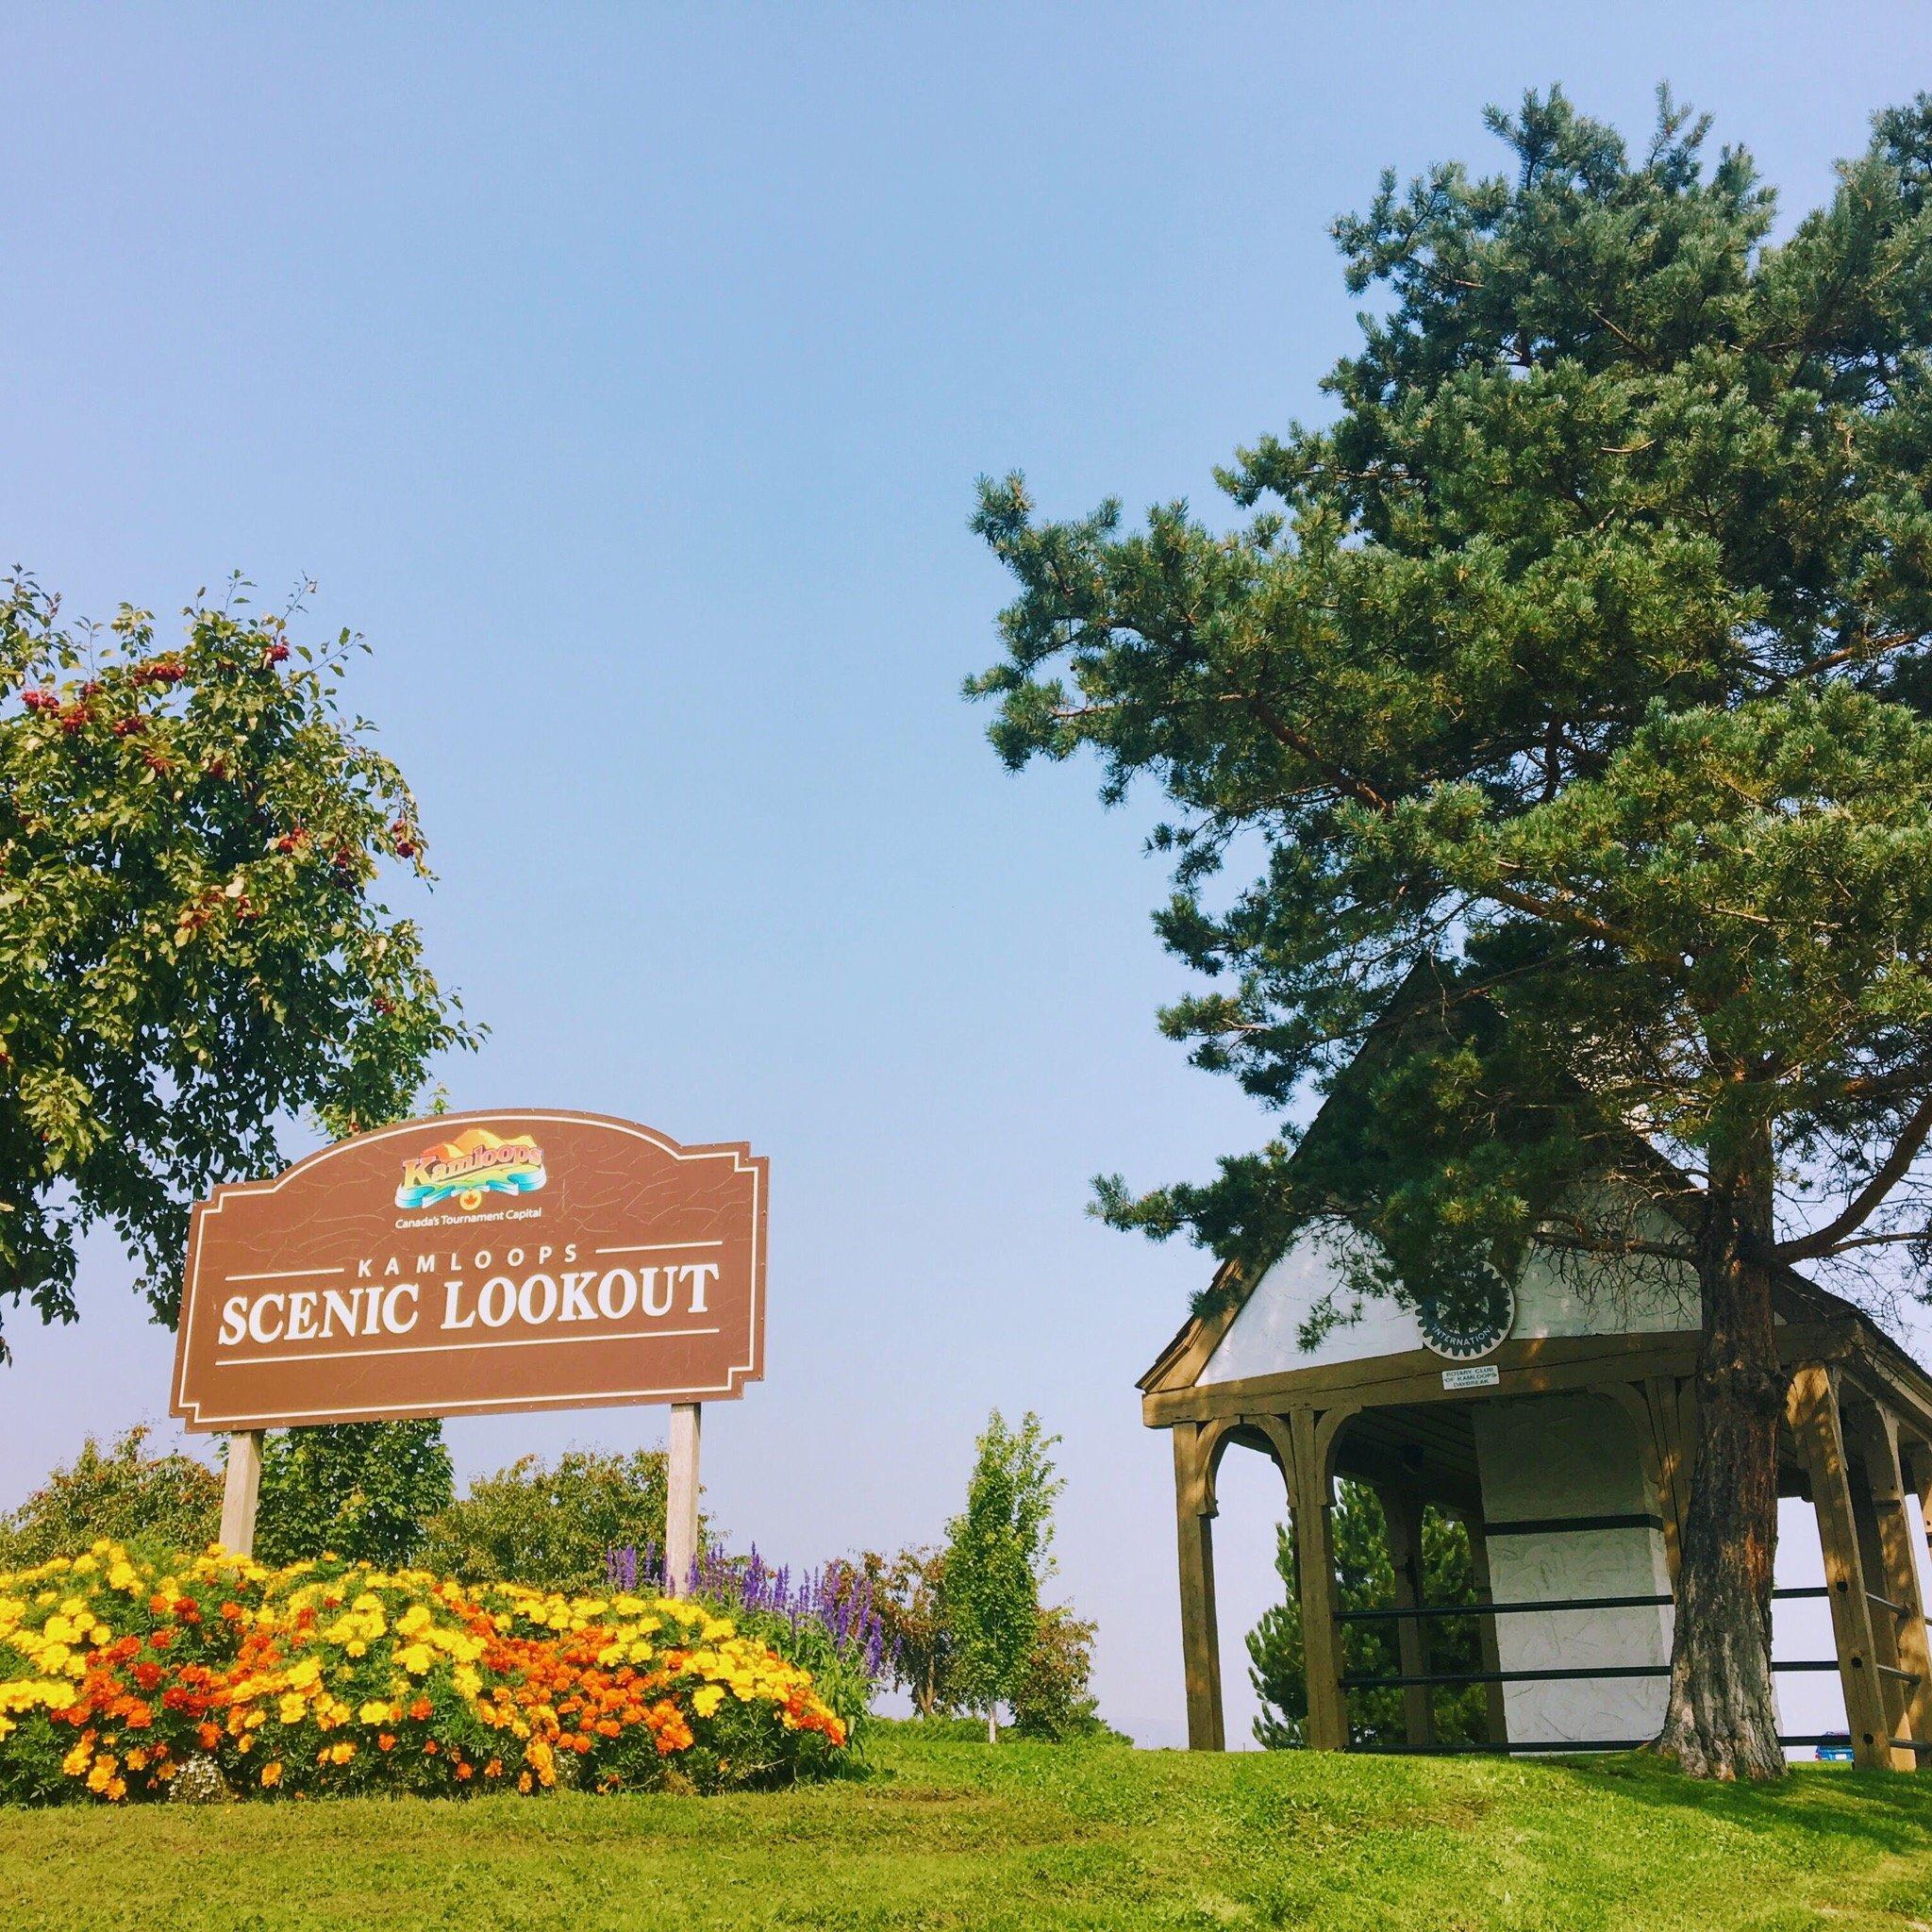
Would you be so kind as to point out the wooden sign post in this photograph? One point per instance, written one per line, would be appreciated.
(475, 1263)
(241, 1491)
(681, 1497)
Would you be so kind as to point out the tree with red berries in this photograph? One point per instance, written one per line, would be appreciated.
(191, 954)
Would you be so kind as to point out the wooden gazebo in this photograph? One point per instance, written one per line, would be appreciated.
(1564, 1450)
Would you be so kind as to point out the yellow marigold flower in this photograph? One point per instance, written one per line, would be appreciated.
(270, 1772)
(374, 1712)
(416, 1659)
(136, 1760)
(78, 1759)
(707, 1701)
(117, 1789)
(290, 1709)
(341, 1753)
(307, 1671)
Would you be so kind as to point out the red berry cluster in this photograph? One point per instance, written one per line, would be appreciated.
(164, 671)
(39, 701)
(278, 654)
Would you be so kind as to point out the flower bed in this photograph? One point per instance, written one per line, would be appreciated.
(119, 1678)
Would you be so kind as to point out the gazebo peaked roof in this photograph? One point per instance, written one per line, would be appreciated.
(1800, 1302)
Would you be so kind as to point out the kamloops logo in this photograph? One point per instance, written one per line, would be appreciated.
(464, 1169)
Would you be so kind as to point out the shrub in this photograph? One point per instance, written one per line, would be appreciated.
(355, 1490)
(908, 1596)
(117, 1674)
(824, 1621)
(121, 1493)
(1049, 1698)
(551, 1528)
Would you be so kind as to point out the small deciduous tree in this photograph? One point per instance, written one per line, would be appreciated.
(191, 948)
(1581, 664)
(363, 1491)
(996, 1554)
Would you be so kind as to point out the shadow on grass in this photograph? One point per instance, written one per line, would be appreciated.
(1889, 1812)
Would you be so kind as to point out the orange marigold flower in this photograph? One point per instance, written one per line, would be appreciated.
(419, 1710)
(385, 1741)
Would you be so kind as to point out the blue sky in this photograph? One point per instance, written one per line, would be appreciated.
(623, 374)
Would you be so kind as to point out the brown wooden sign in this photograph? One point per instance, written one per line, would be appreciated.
(474, 1262)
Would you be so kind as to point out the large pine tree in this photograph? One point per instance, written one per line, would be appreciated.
(1574, 678)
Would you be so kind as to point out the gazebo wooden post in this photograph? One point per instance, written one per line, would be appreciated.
(1663, 1403)
(1919, 1474)
(1811, 1407)
(1402, 1518)
(1314, 1562)
(1488, 1649)
(1896, 1521)
(1859, 1480)
(1200, 1633)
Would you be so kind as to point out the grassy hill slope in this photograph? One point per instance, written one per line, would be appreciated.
(950, 1834)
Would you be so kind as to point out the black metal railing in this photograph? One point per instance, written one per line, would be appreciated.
(1350, 1680)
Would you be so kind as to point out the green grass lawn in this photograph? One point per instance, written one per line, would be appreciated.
(949, 1834)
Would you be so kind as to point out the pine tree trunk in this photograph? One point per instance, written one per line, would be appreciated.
(1721, 1720)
